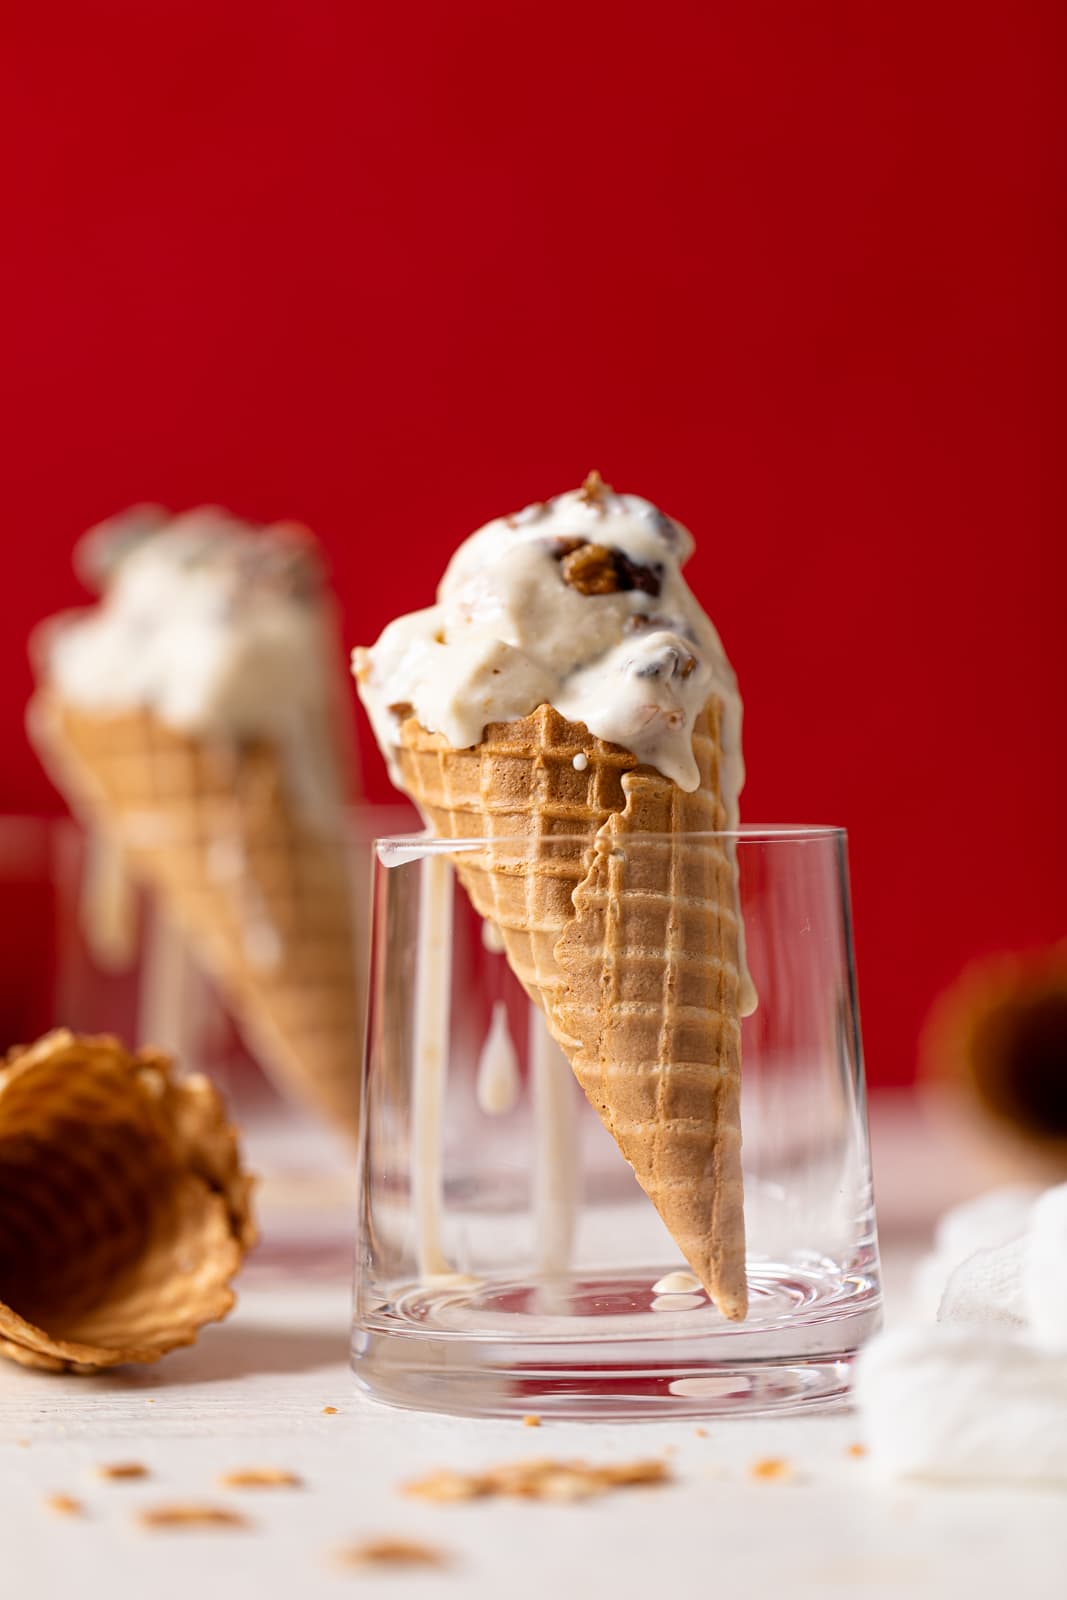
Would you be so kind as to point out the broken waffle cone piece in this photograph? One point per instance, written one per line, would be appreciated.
(618, 913)
(124, 1209)
(259, 888)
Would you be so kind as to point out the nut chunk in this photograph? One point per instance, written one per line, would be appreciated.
(596, 569)
(591, 570)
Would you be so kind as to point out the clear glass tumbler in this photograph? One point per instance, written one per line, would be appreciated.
(507, 1260)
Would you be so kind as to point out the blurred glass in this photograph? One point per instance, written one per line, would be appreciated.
(85, 947)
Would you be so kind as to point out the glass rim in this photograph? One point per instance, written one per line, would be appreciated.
(412, 846)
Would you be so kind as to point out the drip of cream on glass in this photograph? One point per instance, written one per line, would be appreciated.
(166, 998)
(498, 1082)
(433, 997)
(677, 1302)
(555, 1169)
(678, 1283)
(108, 904)
(554, 1180)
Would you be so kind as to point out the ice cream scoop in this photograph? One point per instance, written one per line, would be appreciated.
(578, 603)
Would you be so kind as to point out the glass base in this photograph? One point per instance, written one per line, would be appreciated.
(609, 1347)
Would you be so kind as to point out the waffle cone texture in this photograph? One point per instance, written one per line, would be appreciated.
(261, 893)
(617, 907)
(124, 1209)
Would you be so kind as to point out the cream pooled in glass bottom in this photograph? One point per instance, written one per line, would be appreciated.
(567, 698)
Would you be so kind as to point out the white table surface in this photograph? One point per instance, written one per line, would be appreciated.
(252, 1393)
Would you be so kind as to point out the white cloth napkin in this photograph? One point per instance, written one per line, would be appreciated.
(982, 1394)
(994, 1219)
(965, 1404)
(1044, 1275)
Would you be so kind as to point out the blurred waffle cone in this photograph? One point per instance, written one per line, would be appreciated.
(622, 926)
(260, 889)
(993, 1063)
(124, 1210)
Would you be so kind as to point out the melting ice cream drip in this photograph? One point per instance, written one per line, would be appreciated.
(433, 987)
(166, 997)
(678, 1283)
(228, 863)
(498, 1082)
(555, 1174)
(107, 905)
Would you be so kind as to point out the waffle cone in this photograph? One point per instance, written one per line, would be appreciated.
(124, 1211)
(520, 790)
(622, 925)
(261, 892)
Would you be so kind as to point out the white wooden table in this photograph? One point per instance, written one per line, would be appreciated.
(253, 1393)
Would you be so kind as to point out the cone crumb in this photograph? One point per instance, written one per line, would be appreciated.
(771, 1468)
(857, 1450)
(190, 1515)
(329, 1411)
(531, 1421)
(539, 1480)
(122, 1471)
(443, 1486)
(261, 1478)
(65, 1505)
(393, 1553)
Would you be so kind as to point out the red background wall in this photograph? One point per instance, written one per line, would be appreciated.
(795, 271)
